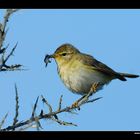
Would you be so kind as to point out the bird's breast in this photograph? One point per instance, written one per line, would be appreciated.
(79, 78)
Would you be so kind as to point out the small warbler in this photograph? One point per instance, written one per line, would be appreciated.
(79, 71)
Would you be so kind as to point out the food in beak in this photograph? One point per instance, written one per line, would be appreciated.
(47, 59)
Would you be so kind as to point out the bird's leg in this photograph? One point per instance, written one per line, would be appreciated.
(84, 98)
(76, 103)
(92, 90)
(94, 87)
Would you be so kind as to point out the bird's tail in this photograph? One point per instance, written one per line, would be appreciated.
(123, 75)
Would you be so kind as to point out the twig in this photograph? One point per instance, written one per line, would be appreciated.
(10, 54)
(38, 124)
(34, 108)
(17, 107)
(3, 55)
(3, 120)
(51, 115)
(62, 122)
(3, 33)
(60, 103)
(45, 101)
(4, 67)
(42, 116)
(25, 127)
(8, 13)
(12, 68)
(93, 100)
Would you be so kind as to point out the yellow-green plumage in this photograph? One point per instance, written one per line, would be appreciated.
(80, 71)
(79, 77)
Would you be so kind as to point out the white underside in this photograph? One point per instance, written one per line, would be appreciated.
(81, 80)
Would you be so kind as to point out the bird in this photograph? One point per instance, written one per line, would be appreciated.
(81, 72)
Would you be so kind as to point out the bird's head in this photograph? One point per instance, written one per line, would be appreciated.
(64, 53)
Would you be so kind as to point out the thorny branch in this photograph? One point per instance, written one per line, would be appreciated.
(34, 120)
(17, 106)
(60, 103)
(3, 33)
(3, 120)
(34, 108)
(3, 30)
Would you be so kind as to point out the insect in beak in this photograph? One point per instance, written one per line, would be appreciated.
(47, 59)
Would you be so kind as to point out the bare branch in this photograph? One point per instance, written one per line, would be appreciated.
(38, 124)
(8, 13)
(50, 115)
(62, 122)
(26, 127)
(10, 54)
(34, 108)
(45, 101)
(93, 100)
(3, 33)
(3, 120)
(60, 102)
(4, 67)
(17, 106)
(53, 115)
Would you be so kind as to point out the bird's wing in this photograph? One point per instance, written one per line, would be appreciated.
(99, 66)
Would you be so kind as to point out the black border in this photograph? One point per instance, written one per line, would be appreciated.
(65, 4)
(106, 4)
(71, 135)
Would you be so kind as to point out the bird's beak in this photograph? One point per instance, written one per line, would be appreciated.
(52, 56)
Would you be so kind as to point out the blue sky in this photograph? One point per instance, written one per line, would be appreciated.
(111, 36)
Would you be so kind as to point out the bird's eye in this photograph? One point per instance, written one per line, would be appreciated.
(63, 54)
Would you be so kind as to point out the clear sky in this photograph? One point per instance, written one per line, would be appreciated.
(111, 36)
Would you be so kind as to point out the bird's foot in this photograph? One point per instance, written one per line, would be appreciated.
(85, 98)
(77, 103)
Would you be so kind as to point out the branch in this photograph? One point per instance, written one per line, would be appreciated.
(3, 32)
(53, 115)
(63, 122)
(10, 54)
(4, 66)
(34, 108)
(17, 107)
(46, 102)
(60, 103)
(3, 120)
(26, 127)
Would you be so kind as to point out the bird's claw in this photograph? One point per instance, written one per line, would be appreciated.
(75, 105)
